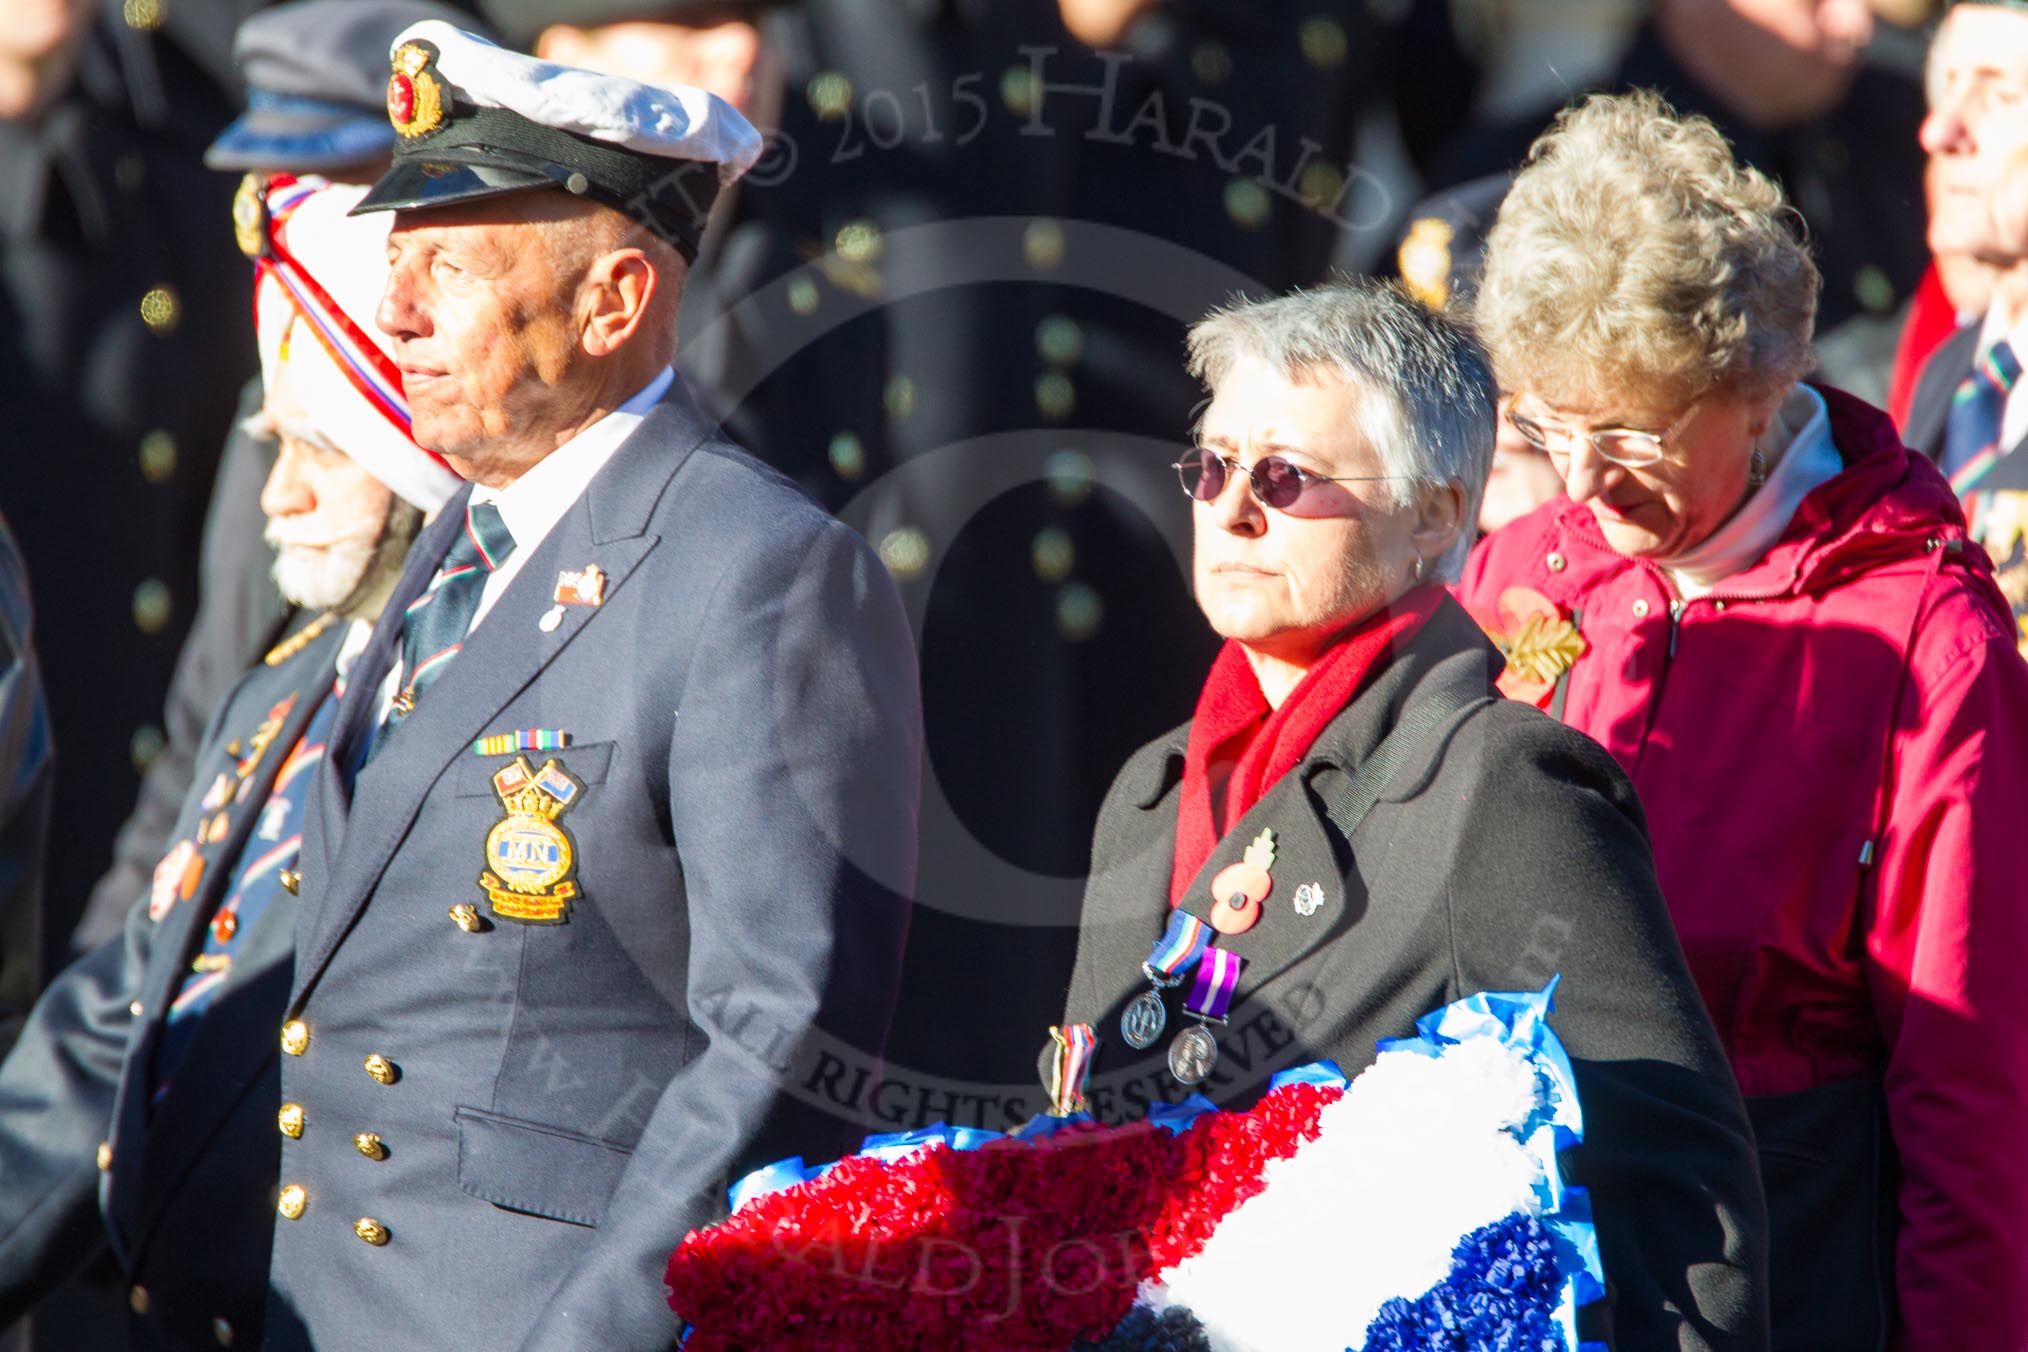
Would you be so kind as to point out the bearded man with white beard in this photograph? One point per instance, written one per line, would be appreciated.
(139, 1109)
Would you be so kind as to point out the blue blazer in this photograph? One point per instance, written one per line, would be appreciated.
(510, 1125)
(183, 1190)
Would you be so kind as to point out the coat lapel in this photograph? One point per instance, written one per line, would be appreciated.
(188, 1117)
(1929, 409)
(232, 1046)
(507, 651)
(331, 789)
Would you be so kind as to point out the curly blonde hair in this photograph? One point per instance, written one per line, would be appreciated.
(1635, 260)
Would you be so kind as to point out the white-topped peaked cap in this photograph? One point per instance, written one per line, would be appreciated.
(321, 272)
(475, 120)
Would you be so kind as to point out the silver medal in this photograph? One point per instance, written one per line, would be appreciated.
(1193, 1054)
(1143, 1020)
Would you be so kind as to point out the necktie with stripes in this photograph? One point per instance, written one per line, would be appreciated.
(433, 629)
(1978, 409)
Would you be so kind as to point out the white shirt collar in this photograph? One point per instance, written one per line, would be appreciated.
(533, 504)
(1993, 328)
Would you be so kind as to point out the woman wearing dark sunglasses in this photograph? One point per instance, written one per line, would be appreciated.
(1771, 616)
(1355, 817)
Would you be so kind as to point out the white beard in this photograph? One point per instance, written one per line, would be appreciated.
(322, 579)
(330, 577)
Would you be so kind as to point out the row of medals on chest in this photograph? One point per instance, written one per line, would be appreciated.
(1239, 892)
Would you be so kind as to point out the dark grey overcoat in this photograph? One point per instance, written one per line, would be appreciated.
(1510, 850)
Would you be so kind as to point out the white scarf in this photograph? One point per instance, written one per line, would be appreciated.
(1798, 442)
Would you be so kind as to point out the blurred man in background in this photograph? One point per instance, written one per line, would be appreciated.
(138, 1112)
(26, 763)
(316, 72)
(1970, 409)
(122, 330)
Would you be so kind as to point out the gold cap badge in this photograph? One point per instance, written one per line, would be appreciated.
(415, 97)
(250, 217)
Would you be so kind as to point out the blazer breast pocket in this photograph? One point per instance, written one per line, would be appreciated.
(542, 1170)
(472, 776)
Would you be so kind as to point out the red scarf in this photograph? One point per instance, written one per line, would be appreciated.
(1234, 724)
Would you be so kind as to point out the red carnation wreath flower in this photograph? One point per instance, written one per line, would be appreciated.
(1019, 1244)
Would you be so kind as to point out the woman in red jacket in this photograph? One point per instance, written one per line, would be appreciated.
(1766, 608)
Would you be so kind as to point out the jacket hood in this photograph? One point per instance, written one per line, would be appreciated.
(1890, 503)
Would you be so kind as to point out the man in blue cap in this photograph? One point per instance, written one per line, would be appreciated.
(612, 845)
(316, 88)
(316, 72)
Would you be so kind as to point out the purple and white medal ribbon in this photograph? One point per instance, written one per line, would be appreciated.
(1195, 1051)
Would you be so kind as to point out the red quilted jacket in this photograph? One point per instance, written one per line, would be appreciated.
(1832, 748)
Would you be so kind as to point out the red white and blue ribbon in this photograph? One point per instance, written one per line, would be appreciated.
(1075, 1044)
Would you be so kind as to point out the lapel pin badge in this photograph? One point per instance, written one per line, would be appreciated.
(584, 586)
(551, 618)
(1308, 898)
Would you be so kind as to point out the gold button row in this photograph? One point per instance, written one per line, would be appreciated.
(291, 1204)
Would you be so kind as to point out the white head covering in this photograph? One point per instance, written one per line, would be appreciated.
(319, 284)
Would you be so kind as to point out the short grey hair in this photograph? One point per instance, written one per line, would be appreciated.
(1429, 394)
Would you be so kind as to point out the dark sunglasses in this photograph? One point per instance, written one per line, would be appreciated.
(1276, 482)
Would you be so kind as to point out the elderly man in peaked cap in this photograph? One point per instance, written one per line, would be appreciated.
(611, 849)
(138, 1111)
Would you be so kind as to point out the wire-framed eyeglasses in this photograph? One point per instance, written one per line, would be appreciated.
(1627, 446)
(1278, 483)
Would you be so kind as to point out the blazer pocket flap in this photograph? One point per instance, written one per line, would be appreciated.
(542, 1170)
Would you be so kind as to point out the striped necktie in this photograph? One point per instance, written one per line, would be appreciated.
(1978, 409)
(433, 628)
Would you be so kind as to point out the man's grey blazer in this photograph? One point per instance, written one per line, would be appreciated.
(510, 1125)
